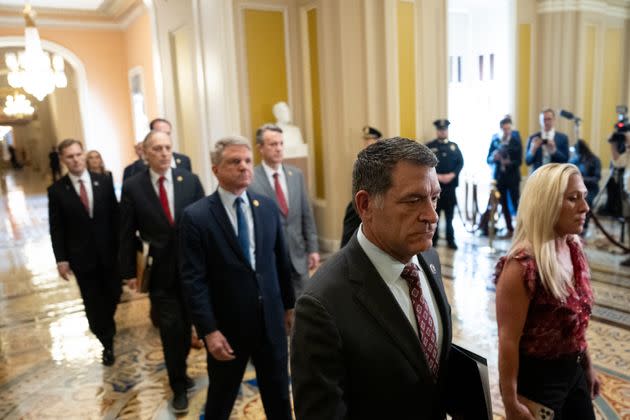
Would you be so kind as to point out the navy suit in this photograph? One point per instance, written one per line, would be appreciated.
(247, 306)
(561, 154)
(142, 211)
(90, 245)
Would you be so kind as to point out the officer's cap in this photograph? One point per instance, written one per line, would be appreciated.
(441, 124)
(371, 133)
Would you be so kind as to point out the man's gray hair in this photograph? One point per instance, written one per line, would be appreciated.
(373, 168)
(261, 132)
(149, 136)
(217, 154)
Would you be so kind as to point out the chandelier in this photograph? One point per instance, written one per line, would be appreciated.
(17, 106)
(31, 69)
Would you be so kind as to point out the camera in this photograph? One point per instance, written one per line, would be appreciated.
(545, 141)
(622, 126)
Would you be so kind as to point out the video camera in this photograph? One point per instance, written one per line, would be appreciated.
(621, 127)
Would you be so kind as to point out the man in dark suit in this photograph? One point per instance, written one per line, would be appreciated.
(179, 160)
(373, 328)
(237, 278)
(450, 164)
(152, 203)
(83, 217)
(351, 219)
(285, 184)
(547, 145)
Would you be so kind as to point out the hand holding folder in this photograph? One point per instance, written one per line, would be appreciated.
(143, 268)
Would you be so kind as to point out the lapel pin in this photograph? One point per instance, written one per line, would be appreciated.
(95, 183)
(180, 178)
(178, 160)
(255, 203)
(432, 267)
(290, 173)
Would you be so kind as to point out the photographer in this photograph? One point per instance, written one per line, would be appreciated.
(590, 167)
(620, 165)
(548, 145)
(505, 155)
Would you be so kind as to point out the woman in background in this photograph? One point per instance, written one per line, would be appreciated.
(544, 301)
(95, 163)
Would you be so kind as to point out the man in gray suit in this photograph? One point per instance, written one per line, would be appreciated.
(285, 184)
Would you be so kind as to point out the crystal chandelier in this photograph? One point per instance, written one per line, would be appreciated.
(17, 106)
(31, 69)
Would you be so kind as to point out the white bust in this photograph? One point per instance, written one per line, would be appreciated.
(293, 142)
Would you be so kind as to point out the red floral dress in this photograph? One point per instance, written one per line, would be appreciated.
(554, 327)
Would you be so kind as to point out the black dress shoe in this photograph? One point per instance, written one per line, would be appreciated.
(180, 403)
(108, 357)
(190, 383)
(452, 245)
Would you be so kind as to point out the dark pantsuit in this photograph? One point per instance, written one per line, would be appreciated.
(271, 376)
(175, 333)
(100, 290)
(557, 384)
(446, 203)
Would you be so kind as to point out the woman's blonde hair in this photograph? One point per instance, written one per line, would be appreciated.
(101, 169)
(538, 212)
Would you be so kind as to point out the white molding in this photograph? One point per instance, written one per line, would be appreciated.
(391, 66)
(287, 54)
(115, 25)
(593, 6)
(307, 102)
(80, 74)
(158, 78)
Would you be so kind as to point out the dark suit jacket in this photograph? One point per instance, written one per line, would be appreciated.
(354, 354)
(141, 210)
(351, 221)
(223, 290)
(299, 226)
(181, 162)
(86, 243)
(561, 155)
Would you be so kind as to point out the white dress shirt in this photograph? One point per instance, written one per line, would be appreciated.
(87, 182)
(390, 270)
(549, 135)
(229, 203)
(281, 177)
(168, 186)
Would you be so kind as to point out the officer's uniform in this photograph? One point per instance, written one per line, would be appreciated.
(450, 159)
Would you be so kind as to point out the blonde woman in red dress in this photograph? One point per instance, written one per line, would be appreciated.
(544, 301)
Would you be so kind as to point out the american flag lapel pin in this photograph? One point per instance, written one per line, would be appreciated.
(432, 267)
(255, 203)
(180, 178)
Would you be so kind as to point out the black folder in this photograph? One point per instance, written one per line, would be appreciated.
(467, 386)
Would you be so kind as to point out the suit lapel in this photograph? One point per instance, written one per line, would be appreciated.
(264, 182)
(258, 230)
(218, 212)
(378, 300)
(96, 195)
(74, 197)
(441, 301)
(178, 193)
(292, 187)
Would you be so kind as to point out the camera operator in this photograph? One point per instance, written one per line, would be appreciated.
(548, 145)
(505, 155)
(620, 149)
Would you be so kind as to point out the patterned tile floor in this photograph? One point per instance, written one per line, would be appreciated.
(50, 363)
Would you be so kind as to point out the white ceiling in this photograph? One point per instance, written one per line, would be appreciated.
(57, 4)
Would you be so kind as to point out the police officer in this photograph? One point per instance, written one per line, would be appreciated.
(450, 163)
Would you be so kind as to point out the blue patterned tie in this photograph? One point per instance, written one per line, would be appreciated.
(243, 231)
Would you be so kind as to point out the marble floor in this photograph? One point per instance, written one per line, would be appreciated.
(50, 363)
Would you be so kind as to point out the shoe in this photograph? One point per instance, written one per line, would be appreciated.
(180, 403)
(190, 383)
(452, 245)
(108, 357)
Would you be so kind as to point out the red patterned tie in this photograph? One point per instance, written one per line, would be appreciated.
(426, 328)
(282, 201)
(84, 196)
(164, 200)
